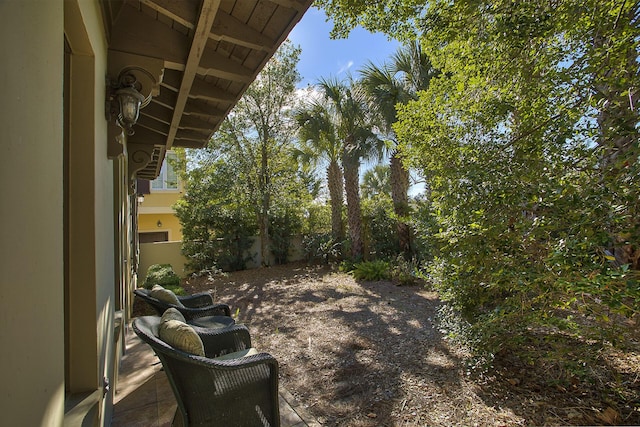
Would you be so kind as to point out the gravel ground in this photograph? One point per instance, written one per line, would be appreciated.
(371, 354)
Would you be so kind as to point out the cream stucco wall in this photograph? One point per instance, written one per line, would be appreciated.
(34, 236)
(103, 278)
(162, 253)
(31, 213)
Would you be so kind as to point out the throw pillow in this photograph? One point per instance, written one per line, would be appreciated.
(172, 314)
(181, 336)
(165, 295)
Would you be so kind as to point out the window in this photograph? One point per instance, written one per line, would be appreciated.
(168, 178)
(153, 236)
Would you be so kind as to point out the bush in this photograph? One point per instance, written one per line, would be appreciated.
(379, 228)
(371, 270)
(321, 247)
(405, 273)
(163, 275)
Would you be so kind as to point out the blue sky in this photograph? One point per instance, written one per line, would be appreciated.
(323, 57)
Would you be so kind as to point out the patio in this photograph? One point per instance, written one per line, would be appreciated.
(144, 398)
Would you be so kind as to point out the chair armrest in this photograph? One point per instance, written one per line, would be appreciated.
(228, 340)
(218, 309)
(197, 300)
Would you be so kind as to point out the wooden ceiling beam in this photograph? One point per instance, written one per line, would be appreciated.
(171, 79)
(231, 29)
(214, 64)
(146, 136)
(202, 29)
(192, 135)
(203, 90)
(201, 108)
(136, 32)
(180, 11)
(167, 98)
(291, 4)
(158, 112)
(153, 125)
(194, 123)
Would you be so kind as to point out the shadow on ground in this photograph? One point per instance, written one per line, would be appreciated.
(370, 354)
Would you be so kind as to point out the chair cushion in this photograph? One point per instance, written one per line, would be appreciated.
(212, 322)
(237, 354)
(181, 336)
(165, 295)
(172, 314)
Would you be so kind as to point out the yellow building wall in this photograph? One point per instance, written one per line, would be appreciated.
(161, 222)
(157, 206)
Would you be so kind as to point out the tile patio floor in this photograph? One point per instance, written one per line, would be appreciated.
(144, 398)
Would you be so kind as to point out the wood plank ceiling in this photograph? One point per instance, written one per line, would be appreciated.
(211, 51)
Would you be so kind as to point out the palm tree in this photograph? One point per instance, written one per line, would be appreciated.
(352, 124)
(319, 140)
(376, 181)
(387, 86)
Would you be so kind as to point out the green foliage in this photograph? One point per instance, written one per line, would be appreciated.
(405, 273)
(217, 220)
(399, 19)
(163, 275)
(245, 183)
(346, 266)
(528, 139)
(371, 270)
(379, 227)
(286, 221)
(376, 182)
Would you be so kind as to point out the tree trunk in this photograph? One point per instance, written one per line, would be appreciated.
(266, 201)
(400, 197)
(350, 165)
(336, 191)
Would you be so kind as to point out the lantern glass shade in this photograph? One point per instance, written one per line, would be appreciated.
(130, 100)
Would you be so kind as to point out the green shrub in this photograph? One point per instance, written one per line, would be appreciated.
(163, 275)
(405, 273)
(371, 270)
(321, 247)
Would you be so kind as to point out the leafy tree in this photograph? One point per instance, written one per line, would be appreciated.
(217, 218)
(246, 182)
(260, 132)
(529, 142)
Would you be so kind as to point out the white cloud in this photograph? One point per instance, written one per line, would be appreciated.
(345, 67)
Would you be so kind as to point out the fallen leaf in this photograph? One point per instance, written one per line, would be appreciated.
(610, 416)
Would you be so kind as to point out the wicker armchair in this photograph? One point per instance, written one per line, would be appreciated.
(198, 309)
(217, 392)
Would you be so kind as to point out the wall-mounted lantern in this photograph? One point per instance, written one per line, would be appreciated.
(124, 99)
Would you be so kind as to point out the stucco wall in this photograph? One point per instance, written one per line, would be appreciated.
(169, 253)
(161, 253)
(31, 214)
(168, 223)
(157, 207)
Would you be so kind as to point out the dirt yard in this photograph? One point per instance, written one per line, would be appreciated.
(372, 354)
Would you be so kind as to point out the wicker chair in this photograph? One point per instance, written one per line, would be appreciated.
(217, 392)
(199, 309)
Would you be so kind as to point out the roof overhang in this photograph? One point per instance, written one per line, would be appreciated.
(194, 59)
